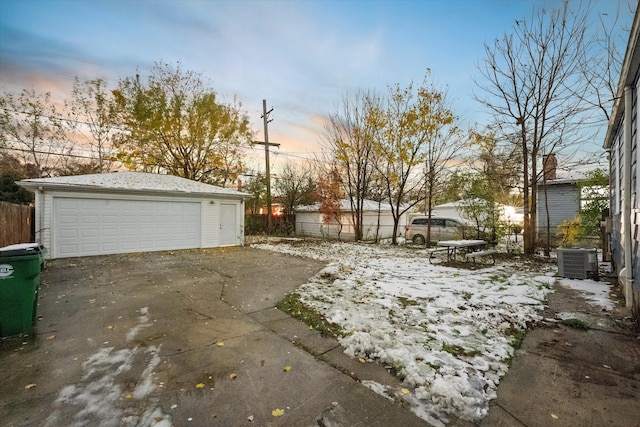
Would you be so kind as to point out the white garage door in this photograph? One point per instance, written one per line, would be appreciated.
(99, 226)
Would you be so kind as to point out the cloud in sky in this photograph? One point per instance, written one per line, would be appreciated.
(302, 56)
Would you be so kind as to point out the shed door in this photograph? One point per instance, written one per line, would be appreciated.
(228, 224)
(103, 226)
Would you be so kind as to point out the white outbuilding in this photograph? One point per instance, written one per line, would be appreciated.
(377, 221)
(124, 212)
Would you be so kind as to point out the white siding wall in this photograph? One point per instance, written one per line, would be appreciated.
(370, 224)
(43, 220)
(311, 224)
(210, 214)
(450, 212)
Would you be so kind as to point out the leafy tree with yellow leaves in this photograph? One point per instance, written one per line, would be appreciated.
(175, 123)
(417, 143)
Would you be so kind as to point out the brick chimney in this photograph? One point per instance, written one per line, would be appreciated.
(550, 164)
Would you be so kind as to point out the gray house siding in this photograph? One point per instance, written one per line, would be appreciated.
(622, 143)
(616, 242)
(564, 204)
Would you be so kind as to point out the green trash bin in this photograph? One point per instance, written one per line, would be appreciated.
(20, 267)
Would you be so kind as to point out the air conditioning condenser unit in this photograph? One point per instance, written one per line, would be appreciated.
(577, 263)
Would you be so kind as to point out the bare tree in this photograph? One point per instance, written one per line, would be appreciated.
(94, 116)
(531, 79)
(442, 148)
(600, 64)
(30, 127)
(295, 186)
(349, 139)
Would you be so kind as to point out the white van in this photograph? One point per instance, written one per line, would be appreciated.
(441, 229)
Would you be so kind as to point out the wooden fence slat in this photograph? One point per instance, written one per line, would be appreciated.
(16, 223)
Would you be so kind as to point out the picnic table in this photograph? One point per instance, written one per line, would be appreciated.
(452, 246)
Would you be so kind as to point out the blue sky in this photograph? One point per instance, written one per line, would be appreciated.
(301, 56)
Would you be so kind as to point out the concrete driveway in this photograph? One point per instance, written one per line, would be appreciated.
(185, 338)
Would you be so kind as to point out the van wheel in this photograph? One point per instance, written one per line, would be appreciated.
(418, 240)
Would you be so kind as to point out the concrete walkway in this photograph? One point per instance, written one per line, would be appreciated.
(189, 338)
(565, 376)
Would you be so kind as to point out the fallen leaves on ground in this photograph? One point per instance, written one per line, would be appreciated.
(233, 376)
(220, 344)
(287, 368)
(200, 385)
(277, 412)
(29, 386)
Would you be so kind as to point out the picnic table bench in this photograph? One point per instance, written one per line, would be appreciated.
(432, 251)
(486, 252)
(475, 248)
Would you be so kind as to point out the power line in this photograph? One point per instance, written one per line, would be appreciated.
(49, 153)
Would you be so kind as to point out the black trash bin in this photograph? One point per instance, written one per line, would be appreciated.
(20, 267)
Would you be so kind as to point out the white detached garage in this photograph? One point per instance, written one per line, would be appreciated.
(125, 212)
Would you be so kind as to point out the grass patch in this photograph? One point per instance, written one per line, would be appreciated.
(457, 350)
(498, 278)
(467, 295)
(398, 371)
(297, 309)
(406, 302)
(576, 323)
(517, 336)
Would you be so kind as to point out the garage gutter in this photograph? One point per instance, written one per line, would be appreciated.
(40, 186)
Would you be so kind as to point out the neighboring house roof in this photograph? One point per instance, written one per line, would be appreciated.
(569, 179)
(345, 206)
(131, 181)
(560, 181)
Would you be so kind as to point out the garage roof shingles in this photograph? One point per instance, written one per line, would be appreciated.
(132, 181)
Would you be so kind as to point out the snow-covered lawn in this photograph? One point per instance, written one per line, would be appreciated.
(448, 332)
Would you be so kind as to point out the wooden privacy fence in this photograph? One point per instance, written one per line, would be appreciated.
(16, 223)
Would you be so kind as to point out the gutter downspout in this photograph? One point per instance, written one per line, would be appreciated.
(626, 274)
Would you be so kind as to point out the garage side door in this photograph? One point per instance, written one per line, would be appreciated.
(100, 227)
(228, 225)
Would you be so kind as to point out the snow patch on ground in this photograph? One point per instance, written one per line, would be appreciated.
(446, 331)
(596, 293)
(143, 322)
(97, 399)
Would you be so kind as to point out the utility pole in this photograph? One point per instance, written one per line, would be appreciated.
(267, 144)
